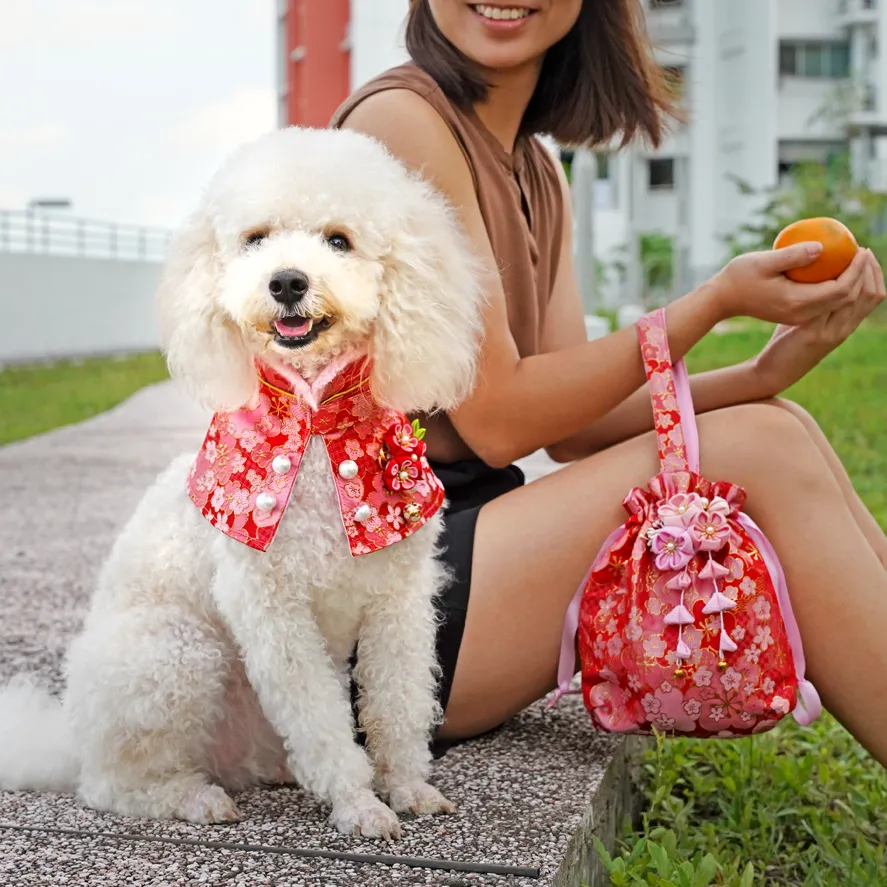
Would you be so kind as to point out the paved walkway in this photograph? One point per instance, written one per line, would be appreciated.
(522, 792)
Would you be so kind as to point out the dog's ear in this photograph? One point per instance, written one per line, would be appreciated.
(203, 346)
(427, 336)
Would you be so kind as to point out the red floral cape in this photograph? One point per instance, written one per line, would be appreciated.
(243, 477)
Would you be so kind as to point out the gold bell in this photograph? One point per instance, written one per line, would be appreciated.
(722, 665)
(679, 674)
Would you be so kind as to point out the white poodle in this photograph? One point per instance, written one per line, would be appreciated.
(216, 652)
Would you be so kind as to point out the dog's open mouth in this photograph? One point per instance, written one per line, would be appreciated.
(296, 331)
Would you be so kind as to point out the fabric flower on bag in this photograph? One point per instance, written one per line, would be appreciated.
(673, 547)
(710, 532)
(680, 510)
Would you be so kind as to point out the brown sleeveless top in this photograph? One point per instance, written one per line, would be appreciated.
(521, 203)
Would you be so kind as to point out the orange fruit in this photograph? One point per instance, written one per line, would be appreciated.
(839, 248)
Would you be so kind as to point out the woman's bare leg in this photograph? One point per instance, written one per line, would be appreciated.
(867, 523)
(534, 545)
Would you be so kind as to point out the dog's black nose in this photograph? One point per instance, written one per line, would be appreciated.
(289, 287)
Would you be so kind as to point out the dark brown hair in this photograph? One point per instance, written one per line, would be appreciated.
(598, 82)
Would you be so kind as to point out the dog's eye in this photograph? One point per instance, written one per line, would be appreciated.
(339, 242)
(254, 239)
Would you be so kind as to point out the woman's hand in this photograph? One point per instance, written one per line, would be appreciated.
(795, 350)
(755, 285)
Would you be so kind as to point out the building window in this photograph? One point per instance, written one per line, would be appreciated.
(661, 173)
(809, 58)
(603, 165)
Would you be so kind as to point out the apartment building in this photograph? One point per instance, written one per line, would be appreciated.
(767, 83)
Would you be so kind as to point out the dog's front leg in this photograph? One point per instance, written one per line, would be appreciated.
(396, 670)
(301, 694)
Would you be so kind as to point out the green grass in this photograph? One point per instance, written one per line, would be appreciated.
(40, 397)
(791, 807)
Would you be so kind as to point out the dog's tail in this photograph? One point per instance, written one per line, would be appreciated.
(36, 745)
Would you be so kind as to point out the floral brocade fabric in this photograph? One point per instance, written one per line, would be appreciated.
(684, 623)
(719, 670)
(244, 475)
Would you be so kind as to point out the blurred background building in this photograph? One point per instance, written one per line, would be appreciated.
(765, 84)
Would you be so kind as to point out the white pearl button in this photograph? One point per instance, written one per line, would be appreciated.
(363, 513)
(348, 469)
(266, 501)
(281, 465)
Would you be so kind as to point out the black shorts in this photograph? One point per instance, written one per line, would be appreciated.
(469, 486)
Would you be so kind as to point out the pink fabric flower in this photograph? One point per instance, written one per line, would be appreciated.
(720, 506)
(702, 677)
(664, 723)
(395, 516)
(680, 510)
(651, 704)
(763, 637)
(731, 679)
(761, 609)
(710, 532)
(673, 547)
(654, 646)
(692, 707)
(780, 705)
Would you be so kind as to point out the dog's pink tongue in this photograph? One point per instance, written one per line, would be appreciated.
(292, 328)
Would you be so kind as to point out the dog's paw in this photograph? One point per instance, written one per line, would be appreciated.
(417, 797)
(364, 814)
(207, 805)
(281, 775)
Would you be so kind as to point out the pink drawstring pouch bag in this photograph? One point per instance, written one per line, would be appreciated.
(684, 621)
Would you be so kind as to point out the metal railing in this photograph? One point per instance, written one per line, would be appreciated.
(35, 232)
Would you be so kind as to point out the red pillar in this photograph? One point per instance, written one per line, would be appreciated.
(318, 60)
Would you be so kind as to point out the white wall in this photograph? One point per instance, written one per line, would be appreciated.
(801, 103)
(53, 307)
(376, 38)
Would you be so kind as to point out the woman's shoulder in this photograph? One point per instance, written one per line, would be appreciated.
(405, 87)
(406, 110)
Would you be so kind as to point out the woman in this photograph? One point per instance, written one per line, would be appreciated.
(486, 79)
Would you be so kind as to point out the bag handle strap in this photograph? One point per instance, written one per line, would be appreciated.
(677, 449)
(674, 417)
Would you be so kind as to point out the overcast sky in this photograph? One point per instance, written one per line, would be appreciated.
(128, 106)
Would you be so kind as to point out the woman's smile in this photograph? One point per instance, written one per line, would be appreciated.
(502, 18)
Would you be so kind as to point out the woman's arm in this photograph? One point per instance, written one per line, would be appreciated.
(791, 354)
(522, 405)
(565, 328)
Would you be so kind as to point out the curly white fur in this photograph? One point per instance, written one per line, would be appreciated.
(204, 666)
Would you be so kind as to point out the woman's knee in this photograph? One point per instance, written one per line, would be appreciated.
(755, 443)
(793, 409)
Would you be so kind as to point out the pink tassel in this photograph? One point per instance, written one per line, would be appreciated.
(718, 603)
(683, 651)
(728, 645)
(680, 615)
(713, 570)
(679, 582)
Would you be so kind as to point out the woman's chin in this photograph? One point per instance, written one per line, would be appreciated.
(502, 58)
